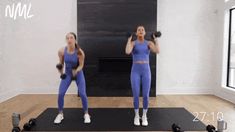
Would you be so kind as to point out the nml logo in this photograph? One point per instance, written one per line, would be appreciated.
(18, 10)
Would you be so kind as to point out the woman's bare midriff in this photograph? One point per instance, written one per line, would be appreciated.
(141, 62)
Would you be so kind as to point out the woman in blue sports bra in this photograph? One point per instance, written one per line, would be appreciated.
(140, 71)
(73, 58)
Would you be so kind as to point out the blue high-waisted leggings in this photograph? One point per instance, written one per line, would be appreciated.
(140, 74)
(64, 84)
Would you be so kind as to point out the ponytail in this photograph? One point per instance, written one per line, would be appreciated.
(77, 46)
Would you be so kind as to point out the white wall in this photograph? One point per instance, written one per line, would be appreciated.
(9, 83)
(186, 62)
(28, 48)
(222, 52)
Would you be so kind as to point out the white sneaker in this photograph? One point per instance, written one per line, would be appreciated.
(87, 118)
(137, 121)
(58, 118)
(144, 121)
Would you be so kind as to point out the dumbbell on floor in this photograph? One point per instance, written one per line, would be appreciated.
(16, 129)
(210, 128)
(28, 126)
(176, 128)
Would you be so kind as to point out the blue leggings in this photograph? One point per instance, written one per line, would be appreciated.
(64, 84)
(140, 74)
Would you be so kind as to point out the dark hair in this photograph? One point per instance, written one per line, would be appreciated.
(75, 37)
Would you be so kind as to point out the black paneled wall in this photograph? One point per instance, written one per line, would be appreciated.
(102, 27)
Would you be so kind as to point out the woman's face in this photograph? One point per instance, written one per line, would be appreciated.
(70, 39)
(140, 32)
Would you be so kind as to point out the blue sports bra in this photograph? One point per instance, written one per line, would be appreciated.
(140, 51)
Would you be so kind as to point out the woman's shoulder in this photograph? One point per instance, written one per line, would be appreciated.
(61, 50)
(149, 42)
(80, 51)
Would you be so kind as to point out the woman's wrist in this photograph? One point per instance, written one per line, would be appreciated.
(78, 69)
(129, 40)
(155, 40)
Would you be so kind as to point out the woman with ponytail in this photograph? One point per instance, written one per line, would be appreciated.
(73, 57)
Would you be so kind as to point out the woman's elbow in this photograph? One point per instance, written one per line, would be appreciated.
(128, 52)
(156, 51)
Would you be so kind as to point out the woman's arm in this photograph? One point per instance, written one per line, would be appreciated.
(61, 59)
(81, 59)
(129, 46)
(154, 46)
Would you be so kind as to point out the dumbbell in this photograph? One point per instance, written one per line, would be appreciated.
(176, 128)
(15, 122)
(129, 34)
(16, 129)
(63, 76)
(59, 66)
(210, 128)
(28, 126)
(157, 34)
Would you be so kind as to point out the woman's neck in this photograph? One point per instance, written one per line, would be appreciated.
(71, 48)
(141, 39)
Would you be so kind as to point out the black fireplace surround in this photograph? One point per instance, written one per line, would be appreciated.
(102, 27)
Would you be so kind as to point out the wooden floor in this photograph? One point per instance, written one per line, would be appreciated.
(32, 105)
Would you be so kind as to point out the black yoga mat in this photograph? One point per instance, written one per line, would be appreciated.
(117, 119)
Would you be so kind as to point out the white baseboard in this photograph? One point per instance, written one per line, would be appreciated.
(183, 90)
(7, 95)
(226, 94)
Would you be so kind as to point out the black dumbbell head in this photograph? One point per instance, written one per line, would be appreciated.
(175, 128)
(16, 129)
(156, 34)
(59, 66)
(129, 34)
(210, 128)
(63, 76)
(27, 127)
(32, 121)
